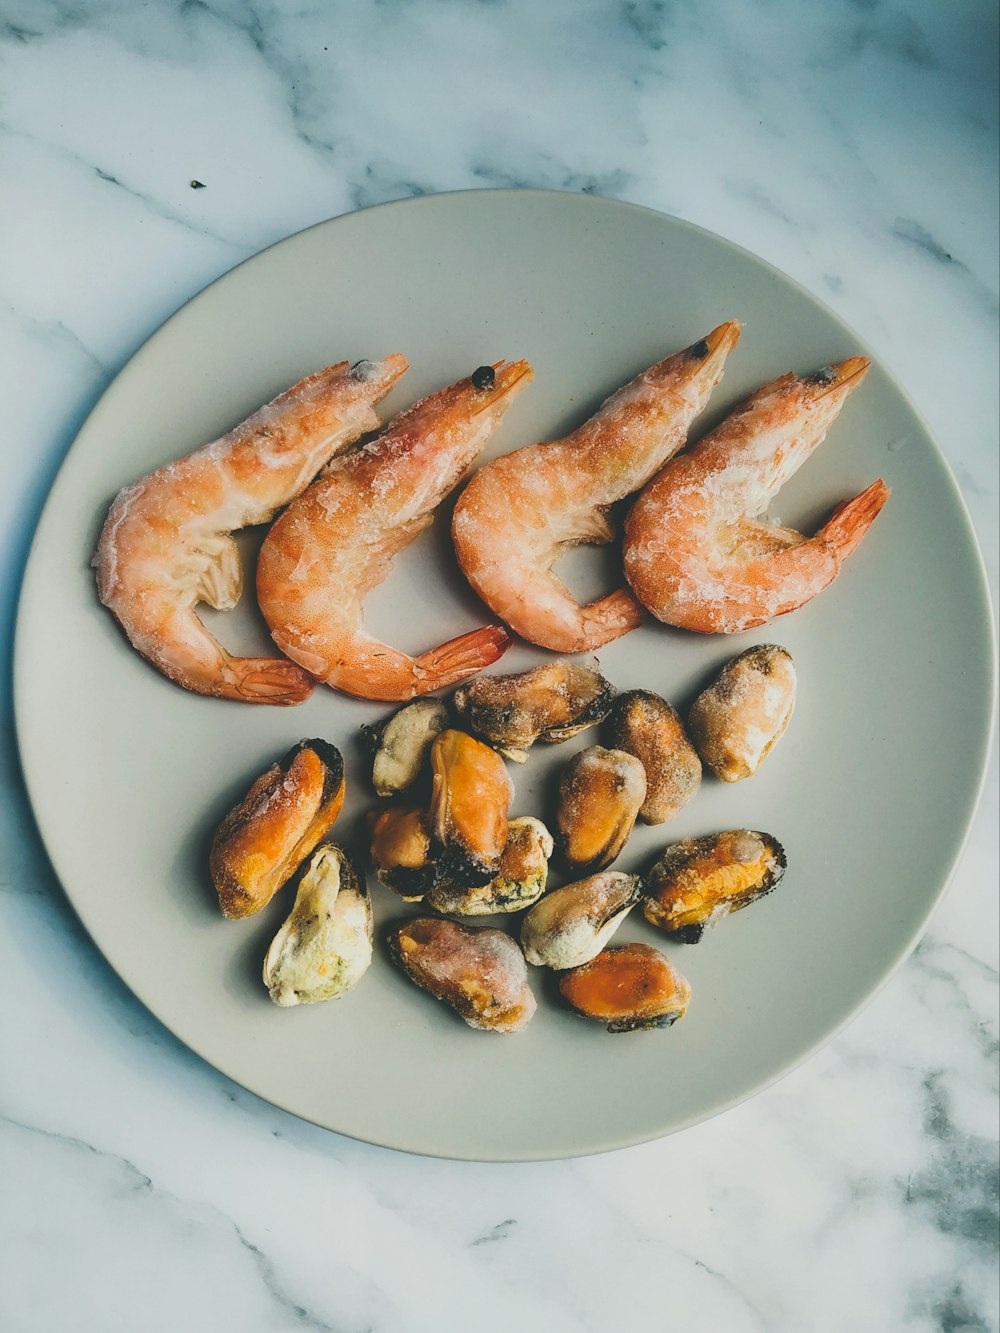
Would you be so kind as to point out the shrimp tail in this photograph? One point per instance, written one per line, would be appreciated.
(851, 519)
(611, 617)
(458, 658)
(264, 680)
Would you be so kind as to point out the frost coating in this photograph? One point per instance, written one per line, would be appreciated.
(325, 946)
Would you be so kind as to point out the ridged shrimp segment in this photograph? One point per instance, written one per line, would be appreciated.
(697, 553)
(338, 540)
(165, 545)
(522, 511)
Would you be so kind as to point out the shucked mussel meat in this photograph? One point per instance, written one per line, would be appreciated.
(697, 882)
(470, 799)
(570, 925)
(402, 744)
(600, 794)
(738, 720)
(549, 703)
(630, 987)
(401, 850)
(520, 881)
(481, 973)
(266, 837)
(644, 725)
(325, 946)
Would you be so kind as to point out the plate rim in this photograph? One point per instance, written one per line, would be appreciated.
(983, 599)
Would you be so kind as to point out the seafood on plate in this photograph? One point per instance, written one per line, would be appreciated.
(471, 793)
(600, 795)
(166, 543)
(630, 987)
(568, 926)
(403, 743)
(644, 725)
(325, 947)
(401, 850)
(697, 553)
(481, 973)
(741, 716)
(519, 882)
(522, 511)
(549, 703)
(266, 837)
(337, 542)
(698, 882)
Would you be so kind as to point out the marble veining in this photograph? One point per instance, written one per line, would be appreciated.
(853, 144)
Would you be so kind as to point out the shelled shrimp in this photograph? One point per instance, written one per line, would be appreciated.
(337, 541)
(696, 552)
(522, 511)
(165, 545)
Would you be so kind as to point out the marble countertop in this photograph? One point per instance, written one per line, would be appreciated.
(852, 144)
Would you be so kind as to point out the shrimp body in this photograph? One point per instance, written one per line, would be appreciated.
(165, 545)
(337, 541)
(698, 555)
(521, 512)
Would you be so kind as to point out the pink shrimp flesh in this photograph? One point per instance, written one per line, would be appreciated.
(338, 540)
(165, 545)
(522, 511)
(698, 555)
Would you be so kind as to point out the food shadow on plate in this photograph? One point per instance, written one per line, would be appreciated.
(243, 976)
(191, 861)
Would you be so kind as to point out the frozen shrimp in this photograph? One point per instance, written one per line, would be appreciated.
(337, 541)
(165, 545)
(521, 512)
(698, 554)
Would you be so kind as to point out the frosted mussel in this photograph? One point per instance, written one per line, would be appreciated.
(264, 839)
(629, 987)
(324, 947)
(402, 744)
(738, 720)
(646, 726)
(697, 882)
(569, 926)
(480, 972)
(520, 881)
(471, 794)
(549, 703)
(600, 794)
(401, 850)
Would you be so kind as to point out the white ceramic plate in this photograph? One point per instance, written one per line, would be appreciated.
(871, 790)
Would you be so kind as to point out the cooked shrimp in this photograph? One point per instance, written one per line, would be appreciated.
(165, 545)
(337, 541)
(521, 512)
(696, 552)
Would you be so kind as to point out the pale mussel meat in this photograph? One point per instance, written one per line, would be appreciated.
(325, 946)
(738, 720)
(402, 744)
(570, 925)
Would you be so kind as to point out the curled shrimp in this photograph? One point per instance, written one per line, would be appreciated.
(697, 553)
(165, 545)
(337, 541)
(522, 511)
